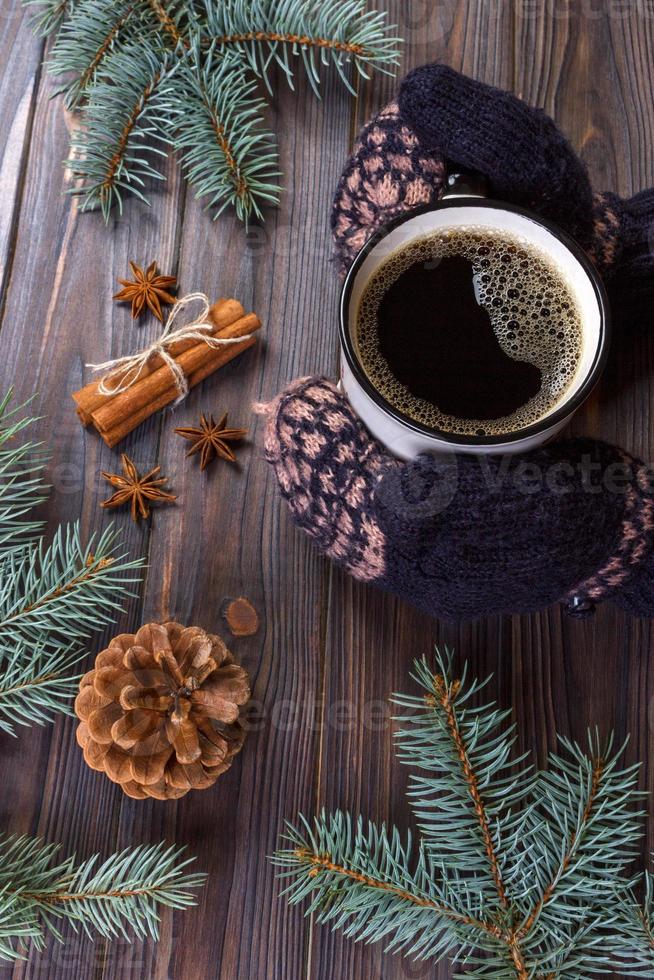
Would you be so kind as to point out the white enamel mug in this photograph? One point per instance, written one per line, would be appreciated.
(405, 437)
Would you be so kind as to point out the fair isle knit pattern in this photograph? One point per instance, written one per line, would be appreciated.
(388, 174)
(635, 538)
(327, 467)
(463, 537)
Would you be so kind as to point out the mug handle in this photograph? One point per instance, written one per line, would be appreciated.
(468, 183)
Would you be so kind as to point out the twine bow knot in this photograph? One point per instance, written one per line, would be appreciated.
(131, 366)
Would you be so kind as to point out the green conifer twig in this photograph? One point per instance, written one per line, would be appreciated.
(518, 874)
(52, 596)
(120, 897)
(123, 56)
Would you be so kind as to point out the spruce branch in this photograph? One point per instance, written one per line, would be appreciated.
(360, 879)
(120, 897)
(635, 931)
(170, 25)
(49, 15)
(60, 593)
(124, 122)
(87, 38)
(36, 685)
(52, 596)
(586, 802)
(334, 32)
(213, 98)
(21, 479)
(518, 874)
(466, 754)
(150, 73)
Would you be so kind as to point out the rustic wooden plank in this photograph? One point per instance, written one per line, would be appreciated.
(58, 316)
(373, 638)
(599, 110)
(18, 84)
(233, 536)
(591, 69)
(329, 651)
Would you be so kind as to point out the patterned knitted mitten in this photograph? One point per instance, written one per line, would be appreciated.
(465, 536)
(443, 118)
(388, 174)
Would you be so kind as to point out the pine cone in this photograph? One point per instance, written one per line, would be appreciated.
(160, 711)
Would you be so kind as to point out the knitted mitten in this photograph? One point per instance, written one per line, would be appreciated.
(444, 117)
(466, 536)
(469, 536)
(389, 173)
(527, 160)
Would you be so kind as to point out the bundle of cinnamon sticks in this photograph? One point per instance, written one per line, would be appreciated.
(116, 415)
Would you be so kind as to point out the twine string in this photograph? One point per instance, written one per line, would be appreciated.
(132, 366)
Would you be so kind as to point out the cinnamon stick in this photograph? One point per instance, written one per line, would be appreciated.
(117, 419)
(89, 399)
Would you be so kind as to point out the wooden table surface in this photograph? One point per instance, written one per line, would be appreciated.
(329, 650)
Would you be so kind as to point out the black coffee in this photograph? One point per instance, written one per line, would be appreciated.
(471, 332)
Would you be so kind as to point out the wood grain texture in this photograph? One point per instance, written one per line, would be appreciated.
(329, 650)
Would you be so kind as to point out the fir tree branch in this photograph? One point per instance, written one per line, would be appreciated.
(226, 155)
(167, 23)
(323, 862)
(518, 876)
(17, 928)
(60, 594)
(36, 685)
(332, 32)
(580, 837)
(21, 479)
(50, 597)
(125, 109)
(634, 934)
(462, 749)
(123, 56)
(120, 897)
(444, 696)
(50, 14)
(361, 880)
(86, 40)
(548, 892)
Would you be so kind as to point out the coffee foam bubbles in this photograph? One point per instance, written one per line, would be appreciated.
(532, 310)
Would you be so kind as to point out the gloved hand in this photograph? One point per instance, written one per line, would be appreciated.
(467, 536)
(444, 119)
(464, 536)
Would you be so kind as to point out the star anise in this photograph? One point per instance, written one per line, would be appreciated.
(147, 288)
(212, 440)
(135, 490)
